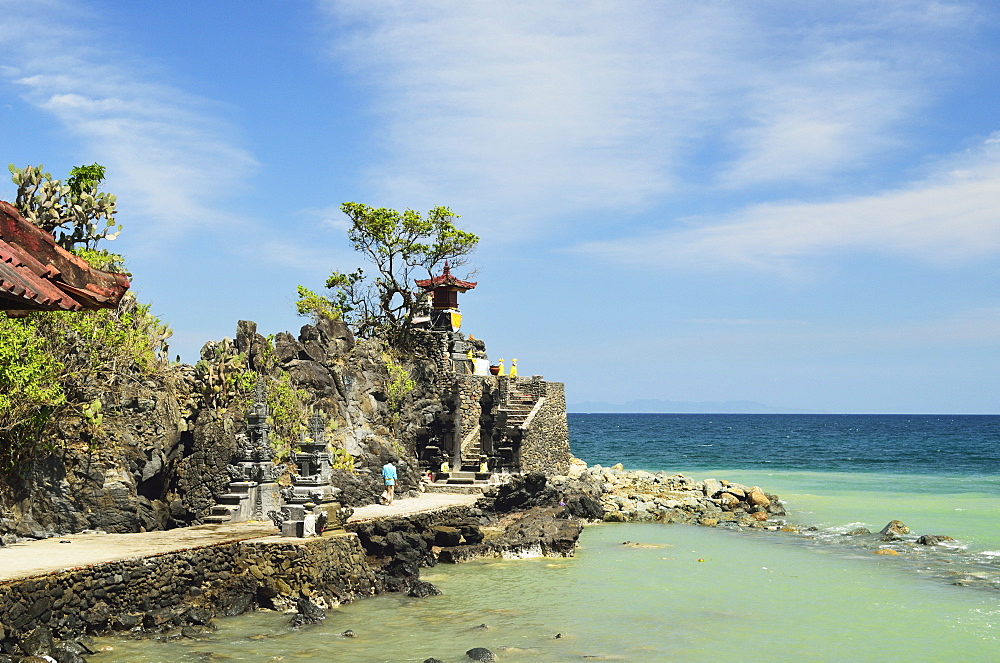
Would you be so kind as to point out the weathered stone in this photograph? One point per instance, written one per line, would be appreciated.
(422, 589)
(308, 613)
(446, 537)
(481, 654)
(38, 642)
(728, 499)
(758, 498)
(712, 487)
(895, 528)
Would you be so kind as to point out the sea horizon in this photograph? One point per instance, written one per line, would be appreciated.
(575, 408)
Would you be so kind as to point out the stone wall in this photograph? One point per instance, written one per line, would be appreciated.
(480, 401)
(545, 445)
(184, 587)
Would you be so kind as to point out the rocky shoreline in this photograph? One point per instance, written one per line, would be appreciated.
(530, 515)
(179, 594)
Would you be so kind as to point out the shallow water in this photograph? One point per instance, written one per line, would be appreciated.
(683, 592)
(816, 597)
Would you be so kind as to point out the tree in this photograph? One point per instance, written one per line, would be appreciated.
(80, 213)
(399, 245)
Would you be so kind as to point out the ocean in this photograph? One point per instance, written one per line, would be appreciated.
(679, 592)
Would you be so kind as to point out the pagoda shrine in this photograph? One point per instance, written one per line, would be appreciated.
(444, 289)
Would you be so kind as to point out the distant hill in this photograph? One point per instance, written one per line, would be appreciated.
(684, 407)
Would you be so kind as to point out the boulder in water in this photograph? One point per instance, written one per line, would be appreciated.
(712, 487)
(758, 498)
(894, 528)
(309, 613)
(421, 589)
(481, 654)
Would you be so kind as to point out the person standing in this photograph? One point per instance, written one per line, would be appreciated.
(389, 476)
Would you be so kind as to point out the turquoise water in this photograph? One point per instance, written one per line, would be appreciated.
(678, 593)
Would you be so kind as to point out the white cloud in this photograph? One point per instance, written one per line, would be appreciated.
(950, 217)
(535, 110)
(168, 157)
(308, 259)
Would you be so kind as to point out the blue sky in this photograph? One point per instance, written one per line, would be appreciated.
(790, 203)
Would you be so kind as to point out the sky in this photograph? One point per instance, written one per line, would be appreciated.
(796, 204)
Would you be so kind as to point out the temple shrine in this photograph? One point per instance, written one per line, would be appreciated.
(444, 289)
(491, 423)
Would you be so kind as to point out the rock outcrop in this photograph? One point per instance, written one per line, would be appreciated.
(159, 459)
(618, 495)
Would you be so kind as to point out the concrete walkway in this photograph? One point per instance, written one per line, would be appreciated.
(404, 507)
(33, 558)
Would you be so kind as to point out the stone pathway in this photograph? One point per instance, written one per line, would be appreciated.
(33, 558)
(406, 506)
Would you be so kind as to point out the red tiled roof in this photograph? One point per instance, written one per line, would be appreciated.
(446, 279)
(36, 274)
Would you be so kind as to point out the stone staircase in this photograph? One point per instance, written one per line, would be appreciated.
(234, 504)
(514, 414)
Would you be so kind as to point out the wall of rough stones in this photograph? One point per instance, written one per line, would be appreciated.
(185, 587)
(545, 446)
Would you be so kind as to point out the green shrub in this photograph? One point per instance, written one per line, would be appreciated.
(62, 362)
(30, 388)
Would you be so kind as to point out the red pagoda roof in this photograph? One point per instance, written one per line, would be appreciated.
(446, 279)
(36, 274)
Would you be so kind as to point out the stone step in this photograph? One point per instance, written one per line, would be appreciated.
(232, 498)
(218, 519)
(224, 510)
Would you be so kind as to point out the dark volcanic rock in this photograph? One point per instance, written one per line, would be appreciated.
(481, 654)
(309, 613)
(38, 642)
(421, 589)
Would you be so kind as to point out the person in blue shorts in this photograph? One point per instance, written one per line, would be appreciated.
(389, 476)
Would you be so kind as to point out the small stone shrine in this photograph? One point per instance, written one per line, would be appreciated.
(253, 491)
(310, 503)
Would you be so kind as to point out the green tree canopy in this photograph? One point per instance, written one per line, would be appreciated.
(400, 246)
